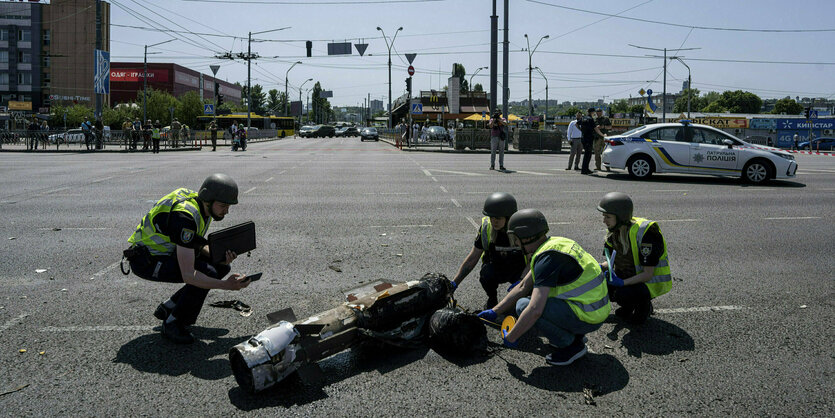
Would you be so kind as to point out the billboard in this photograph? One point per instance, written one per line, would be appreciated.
(721, 122)
(14, 105)
(136, 75)
(295, 108)
(339, 48)
(454, 90)
(101, 78)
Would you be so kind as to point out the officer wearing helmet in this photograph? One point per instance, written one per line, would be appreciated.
(636, 249)
(500, 262)
(168, 246)
(564, 294)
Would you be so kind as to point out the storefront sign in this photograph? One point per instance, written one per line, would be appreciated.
(13, 105)
(136, 75)
(720, 122)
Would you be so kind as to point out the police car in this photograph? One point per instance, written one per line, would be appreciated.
(694, 149)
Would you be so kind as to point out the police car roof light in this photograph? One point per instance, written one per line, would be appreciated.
(685, 122)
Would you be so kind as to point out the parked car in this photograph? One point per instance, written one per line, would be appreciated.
(305, 131)
(694, 149)
(436, 133)
(321, 131)
(347, 131)
(369, 133)
(823, 144)
(73, 136)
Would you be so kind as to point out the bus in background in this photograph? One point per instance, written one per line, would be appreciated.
(284, 126)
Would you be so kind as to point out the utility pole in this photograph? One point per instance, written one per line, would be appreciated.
(689, 81)
(145, 81)
(286, 99)
(389, 45)
(530, 70)
(98, 46)
(249, 57)
(494, 41)
(546, 94)
(664, 97)
(505, 55)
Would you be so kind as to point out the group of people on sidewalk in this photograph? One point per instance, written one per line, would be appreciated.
(586, 135)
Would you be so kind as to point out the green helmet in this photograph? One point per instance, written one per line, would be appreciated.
(527, 223)
(219, 188)
(618, 204)
(499, 205)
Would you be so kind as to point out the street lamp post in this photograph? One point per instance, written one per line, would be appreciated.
(664, 94)
(471, 77)
(145, 81)
(389, 45)
(546, 93)
(286, 99)
(689, 81)
(530, 70)
(300, 100)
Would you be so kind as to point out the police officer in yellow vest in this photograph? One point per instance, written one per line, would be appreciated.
(155, 136)
(168, 246)
(638, 252)
(563, 296)
(500, 262)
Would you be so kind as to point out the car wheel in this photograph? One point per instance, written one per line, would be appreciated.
(640, 167)
(756, 172)
(282, 134)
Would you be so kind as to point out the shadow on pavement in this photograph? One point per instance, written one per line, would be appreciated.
(598, 373)
(153, 354)
(695, 179)
(655, 337)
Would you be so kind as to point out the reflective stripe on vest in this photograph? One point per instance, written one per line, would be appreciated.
(587, 296)
(661, 281)
(146, 234)
(486, 230)
(155, 133)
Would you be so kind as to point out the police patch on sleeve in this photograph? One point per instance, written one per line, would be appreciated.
(186, 235)
(646, 250)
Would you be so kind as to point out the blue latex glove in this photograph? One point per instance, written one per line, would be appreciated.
(454, 285)
(506, 342)
(615, 281)
(513, 285)
(489, 315)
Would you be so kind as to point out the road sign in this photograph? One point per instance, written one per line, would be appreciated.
(208, 109)
(411, 70)
(417, 108)
(813, 114)
(410, 57)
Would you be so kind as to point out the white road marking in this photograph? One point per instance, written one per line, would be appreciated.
(462, 173)
(282, 171)
(701, 309)
(106, 269)
(101, 180)
(77, 229)
(443, 189)
(472, 221)
(99, 328)
(582, 191)
(534, 173)
(789, 218)
(428, 174)
(12, 322)
(249, 190)
(671, 190)
(455, 202)
(268, 180)
(401, 226)
(827, 190)
(679, 220)
(434, 179)
(391, 193)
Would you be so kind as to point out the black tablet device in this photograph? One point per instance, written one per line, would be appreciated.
(239, 238)
(253, 277)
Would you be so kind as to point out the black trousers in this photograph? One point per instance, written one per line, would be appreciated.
(587, 152)
(492, 275)
(630, 297)
(155, 149)
(189, 299)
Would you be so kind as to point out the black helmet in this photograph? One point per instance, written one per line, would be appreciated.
(527, 223)
(219, 187)
(499, 204)
(618, 204)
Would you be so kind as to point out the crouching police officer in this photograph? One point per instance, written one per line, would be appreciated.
(500, 262)
(168, 246)
(639, 253)
(564, 295)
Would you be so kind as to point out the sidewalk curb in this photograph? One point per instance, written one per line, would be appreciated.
(456, 151)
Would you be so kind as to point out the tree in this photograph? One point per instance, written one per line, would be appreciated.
(159, 105)
(619, 106)
(320, 107)
(787, 106)
(696, 102)
(739, 101)
(276, 101)
(571, 111)
(714, 107)
(191, 107)
(478, 87)
(258, 97)
(637, 109)
(75, 115)
(114, 117)
(459, 71)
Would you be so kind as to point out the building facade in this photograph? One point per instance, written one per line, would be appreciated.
(126, 82)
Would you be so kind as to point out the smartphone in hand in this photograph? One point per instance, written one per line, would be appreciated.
(253, 277)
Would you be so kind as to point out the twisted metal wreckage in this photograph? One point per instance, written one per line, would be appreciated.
(402, 314)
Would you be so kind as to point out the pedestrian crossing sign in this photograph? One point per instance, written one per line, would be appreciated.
(208, 109)
(417, 108)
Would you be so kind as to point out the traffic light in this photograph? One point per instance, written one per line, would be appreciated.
(217, 88)
(219, 100)
(309, 46)
(409, 84)
(806, 112)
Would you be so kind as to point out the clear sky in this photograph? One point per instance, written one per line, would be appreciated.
(587, 56)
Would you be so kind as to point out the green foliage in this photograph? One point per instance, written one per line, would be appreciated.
(75, 115)
(459, 71)
(320, 108)
(276, 102)
(739, 101)
(191, 107)
(714, 107)
(619, 106)
(478, 87)
(637, 109)
(114, 117)
(696, 102)
(159, 105)
(571, 111)
(787, 106)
